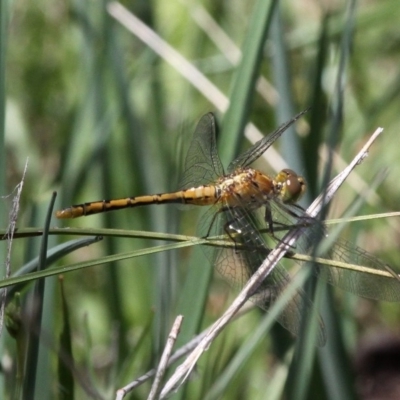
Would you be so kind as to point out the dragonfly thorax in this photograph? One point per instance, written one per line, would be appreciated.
(250, 186)
(245, 186)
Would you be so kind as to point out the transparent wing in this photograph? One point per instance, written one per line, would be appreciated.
(202, 163)
(360, 283)
(254, 152)
(238, 264)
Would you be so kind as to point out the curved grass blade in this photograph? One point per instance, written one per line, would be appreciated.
(103, 260)
(52, 256)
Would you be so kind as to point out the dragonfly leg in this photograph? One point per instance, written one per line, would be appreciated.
(270, 222)
(214, 218)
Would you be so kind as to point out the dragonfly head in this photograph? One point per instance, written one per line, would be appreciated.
(290, 186)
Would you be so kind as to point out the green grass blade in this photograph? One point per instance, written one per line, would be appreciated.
(35, 313)
(244, 81)
(65, 354)
(52, 256)
(103, 260)
(285, 109)
(4, 16)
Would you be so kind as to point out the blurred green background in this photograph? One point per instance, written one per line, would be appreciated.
(102, 113)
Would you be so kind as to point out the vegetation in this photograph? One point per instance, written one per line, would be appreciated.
(104, 108)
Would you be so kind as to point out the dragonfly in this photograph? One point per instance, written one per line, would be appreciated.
(243, 202)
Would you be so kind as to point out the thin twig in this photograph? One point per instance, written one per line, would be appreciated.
(162, 366)
(168, 53)
(181, 352)
(13, 217)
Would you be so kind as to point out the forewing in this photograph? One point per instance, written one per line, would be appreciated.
(202, 163)
(254, 152)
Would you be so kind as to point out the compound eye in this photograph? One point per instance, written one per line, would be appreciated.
(293, 186)
(294, 189)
